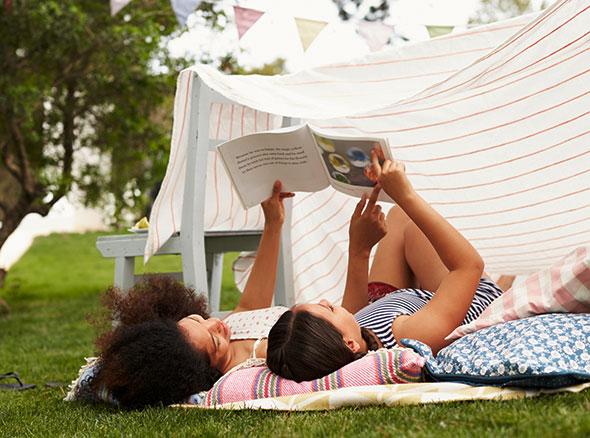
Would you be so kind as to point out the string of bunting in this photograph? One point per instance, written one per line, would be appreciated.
(375, 33)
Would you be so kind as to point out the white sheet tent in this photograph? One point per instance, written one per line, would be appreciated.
(493, 125)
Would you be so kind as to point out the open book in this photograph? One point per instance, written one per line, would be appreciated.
(304, 159)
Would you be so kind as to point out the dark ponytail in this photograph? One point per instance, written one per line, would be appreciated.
(304, 347)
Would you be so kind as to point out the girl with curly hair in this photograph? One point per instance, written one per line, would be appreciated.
(164, 347)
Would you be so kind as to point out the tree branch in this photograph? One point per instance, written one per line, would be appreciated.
(27, 177)
(68, 121)
(9, 163)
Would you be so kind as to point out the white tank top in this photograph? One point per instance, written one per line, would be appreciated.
(253, 324)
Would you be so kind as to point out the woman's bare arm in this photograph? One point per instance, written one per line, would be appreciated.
(367, 227)
(260, 287)
(448, 307)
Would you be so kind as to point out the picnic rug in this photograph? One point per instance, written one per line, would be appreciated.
(388, 395)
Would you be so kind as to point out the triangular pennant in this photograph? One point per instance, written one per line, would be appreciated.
(308, 30)
(375, 33)
(183, 8)
(436, 31)
(245, 19)
(117, 5)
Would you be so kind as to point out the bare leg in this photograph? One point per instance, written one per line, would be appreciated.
(427, 267)
(505, 282)
(389, 264)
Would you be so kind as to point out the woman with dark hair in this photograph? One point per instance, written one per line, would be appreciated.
(434, 271)
(164, 347)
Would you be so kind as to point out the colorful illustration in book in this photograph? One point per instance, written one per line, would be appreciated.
(339, 163)
(339, 177)
(325, 143)
(348, 162)
(358, 157)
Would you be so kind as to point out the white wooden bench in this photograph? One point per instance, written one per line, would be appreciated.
(201, 250)
(125, 248)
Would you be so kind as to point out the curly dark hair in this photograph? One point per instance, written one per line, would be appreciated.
(303, 347)
(145, 359)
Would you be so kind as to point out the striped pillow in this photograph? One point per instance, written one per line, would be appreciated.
(563, 287)
(384, 366)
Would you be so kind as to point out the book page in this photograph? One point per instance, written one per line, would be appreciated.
(346, 160)
(254, 162)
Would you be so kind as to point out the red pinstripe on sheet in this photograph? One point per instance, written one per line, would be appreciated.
(324, 256)
(231, 123)
(425, 95)
(500, 163)
(376, 81)
(445, 55)
(551, 239)
(518, 192)
(536, 251)
(499, 145)
(326, 236)
(331, 288)
(174, 173)
(509, 178)
(318, 208)
(495, 108)
(242, 121)
(464, 98)
(215, 187)
(537, 41)
(527, 233)
(218, 121)
(336, 264)
(327, 219)
(526, 220)
(533, 204)
(415, 145)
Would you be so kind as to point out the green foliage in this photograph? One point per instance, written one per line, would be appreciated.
(87, 99)
(496, 10)
(73, 77)
(377, 11)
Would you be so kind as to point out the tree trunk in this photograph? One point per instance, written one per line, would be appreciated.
(12, 218)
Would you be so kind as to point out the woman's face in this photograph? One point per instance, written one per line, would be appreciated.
(338, 316)
(211, 336)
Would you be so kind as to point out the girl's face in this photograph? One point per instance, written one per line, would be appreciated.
(211, 336)
(340, 318)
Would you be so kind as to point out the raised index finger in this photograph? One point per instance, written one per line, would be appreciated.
(375, 163)
(373, 197)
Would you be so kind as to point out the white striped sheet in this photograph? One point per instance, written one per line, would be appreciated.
(516, 44)
(309, 101)
(499, 147)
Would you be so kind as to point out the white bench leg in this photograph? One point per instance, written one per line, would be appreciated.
(124, 272)
(215, 276)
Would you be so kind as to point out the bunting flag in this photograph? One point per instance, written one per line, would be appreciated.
(308, 30)
(436, 31)
(183, 8)
(375, 33)
(117, 5)
(245, 19)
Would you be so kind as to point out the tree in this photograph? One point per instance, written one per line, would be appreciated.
(86, 102)
(75, 79)
(495, 10)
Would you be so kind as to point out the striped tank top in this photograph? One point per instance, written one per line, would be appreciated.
(379, 316)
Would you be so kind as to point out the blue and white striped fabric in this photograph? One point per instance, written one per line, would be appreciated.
(379, 316)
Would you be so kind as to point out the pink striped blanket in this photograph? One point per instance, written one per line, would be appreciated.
(563, 287)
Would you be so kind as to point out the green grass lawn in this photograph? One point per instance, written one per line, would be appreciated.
(53, 288)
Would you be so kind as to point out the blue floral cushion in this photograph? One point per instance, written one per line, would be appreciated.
(543, 351)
